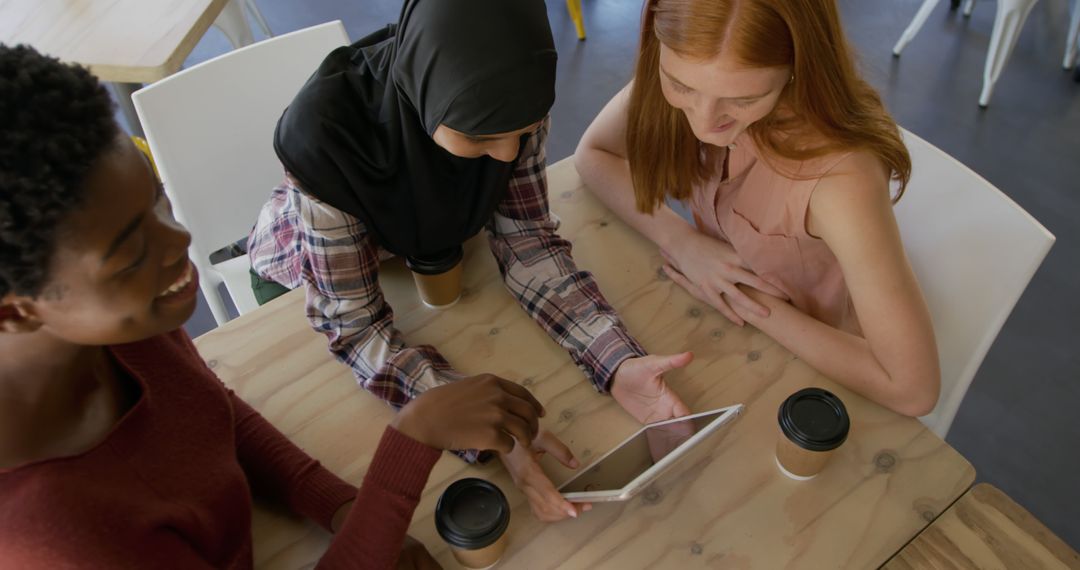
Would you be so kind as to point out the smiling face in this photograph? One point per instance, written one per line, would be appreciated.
(720, 97)
(120, 272)
(503, 146)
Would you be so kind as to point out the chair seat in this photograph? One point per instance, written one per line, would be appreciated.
(235, 273)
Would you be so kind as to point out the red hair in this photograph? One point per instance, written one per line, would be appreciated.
(826, 108)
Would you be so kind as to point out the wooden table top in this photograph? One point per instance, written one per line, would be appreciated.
(986, 529)
(127, 41)
(733, 508)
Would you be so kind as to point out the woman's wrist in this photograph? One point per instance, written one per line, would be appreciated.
(408, 424)
(673, 232)
(682, 244)
(768, 301)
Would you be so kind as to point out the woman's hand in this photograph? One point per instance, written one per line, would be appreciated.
(546, 503)
(639, 387)
(709, 268)
(768, 300)
(480, 412)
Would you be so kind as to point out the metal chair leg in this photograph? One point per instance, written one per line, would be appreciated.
(253, 9)
(916, 24)
(233, 24)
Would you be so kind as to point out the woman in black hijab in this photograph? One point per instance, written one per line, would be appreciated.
(412, 140)
(362, 134)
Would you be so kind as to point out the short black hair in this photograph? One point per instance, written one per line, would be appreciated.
(56, 121)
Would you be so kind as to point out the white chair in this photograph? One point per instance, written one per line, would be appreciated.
(1010, 18)
(211, 128)
(1072, 44)
(974, 251)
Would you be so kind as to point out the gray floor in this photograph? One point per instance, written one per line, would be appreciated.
(1018, 424)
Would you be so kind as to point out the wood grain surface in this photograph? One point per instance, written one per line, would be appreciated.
(729, 508)
(986, 529)
(125, 41)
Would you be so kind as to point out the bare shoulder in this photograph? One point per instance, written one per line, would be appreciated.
(855, 190)
(861, 173)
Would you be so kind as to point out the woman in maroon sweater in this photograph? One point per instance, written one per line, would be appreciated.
(119, 448)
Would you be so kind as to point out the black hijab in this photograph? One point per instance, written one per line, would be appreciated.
(358, 135)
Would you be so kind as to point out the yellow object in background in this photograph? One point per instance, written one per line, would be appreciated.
(142, 145)
(574, 7)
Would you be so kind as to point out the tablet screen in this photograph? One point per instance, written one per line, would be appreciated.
(634, 457)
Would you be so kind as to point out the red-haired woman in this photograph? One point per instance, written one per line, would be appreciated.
(752, 112)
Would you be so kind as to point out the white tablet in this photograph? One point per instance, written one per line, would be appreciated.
(624, 471)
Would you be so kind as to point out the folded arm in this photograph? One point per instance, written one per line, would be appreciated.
(895, 362)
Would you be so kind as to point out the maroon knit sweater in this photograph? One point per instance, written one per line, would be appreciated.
(171, 484)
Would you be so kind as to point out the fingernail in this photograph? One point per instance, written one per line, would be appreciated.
(574, 463)
(587, 507)
(572, 512)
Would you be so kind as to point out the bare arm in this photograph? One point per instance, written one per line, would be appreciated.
(896, 364)
(601, 161)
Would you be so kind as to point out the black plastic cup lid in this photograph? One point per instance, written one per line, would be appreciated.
(471, 514)
(435, 263)
(814, 419)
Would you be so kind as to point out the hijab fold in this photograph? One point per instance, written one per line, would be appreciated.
(358, 134)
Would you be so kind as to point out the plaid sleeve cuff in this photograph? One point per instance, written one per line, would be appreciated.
(604, 355)
(473, 456)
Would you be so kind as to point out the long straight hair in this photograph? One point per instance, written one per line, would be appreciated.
(826, 108)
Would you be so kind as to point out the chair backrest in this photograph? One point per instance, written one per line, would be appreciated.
(211, 128)
(974, 251)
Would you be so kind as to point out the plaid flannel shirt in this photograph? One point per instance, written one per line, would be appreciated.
(299, 240)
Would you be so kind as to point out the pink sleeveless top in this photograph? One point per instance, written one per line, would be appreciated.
(762, 212)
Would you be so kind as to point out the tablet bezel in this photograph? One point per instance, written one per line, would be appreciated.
(628, 491)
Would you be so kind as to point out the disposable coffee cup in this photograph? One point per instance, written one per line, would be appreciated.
(813, 423)
(472, 516)
(438, 277)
